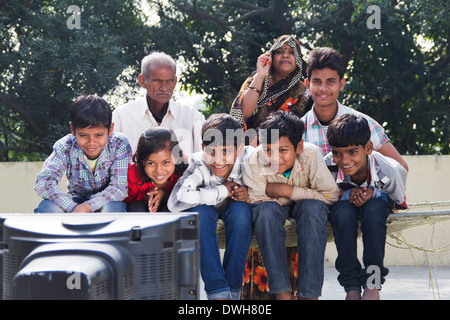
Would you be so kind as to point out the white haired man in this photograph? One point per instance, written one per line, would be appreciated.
(158, 77)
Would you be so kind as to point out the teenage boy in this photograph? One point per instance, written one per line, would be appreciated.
(325, 79)
(288, 178)
(212, 186)
(372, 186)
(94, 159)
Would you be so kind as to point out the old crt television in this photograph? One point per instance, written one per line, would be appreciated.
(99, 256)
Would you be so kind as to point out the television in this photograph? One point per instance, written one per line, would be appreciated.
(98, 256)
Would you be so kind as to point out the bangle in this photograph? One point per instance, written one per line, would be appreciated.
(256, 89)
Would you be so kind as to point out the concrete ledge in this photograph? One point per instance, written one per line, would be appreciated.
(428, 181)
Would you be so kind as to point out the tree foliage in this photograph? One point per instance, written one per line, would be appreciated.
(391, 76)
(45, 65)
(398, 74)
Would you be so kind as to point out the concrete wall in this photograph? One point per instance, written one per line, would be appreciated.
(428, 180)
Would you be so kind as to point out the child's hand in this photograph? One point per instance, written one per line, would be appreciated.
(278, 190)
(155, 197)
(82, 208)
(239, 193)
(230, 187)
(360, 196)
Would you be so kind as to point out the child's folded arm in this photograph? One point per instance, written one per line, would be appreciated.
(185, 198)
(302, 193)
(322, 185)
(47, 182)
(255, 182)
(190, 191)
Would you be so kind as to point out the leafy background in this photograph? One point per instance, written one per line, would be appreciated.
(398, 74)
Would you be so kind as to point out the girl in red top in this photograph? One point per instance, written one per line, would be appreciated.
(158, 164)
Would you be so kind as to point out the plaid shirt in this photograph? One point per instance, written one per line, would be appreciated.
(107, 183)
(316, 134)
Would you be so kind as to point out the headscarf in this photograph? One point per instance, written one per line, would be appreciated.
(289, 94)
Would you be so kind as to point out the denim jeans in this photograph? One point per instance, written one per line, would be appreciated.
(47, 206)
(344, 218)
(311, 227)
(224, 282)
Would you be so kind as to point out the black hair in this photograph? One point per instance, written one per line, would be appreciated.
(156, 139)
(281, 124)
(325, 57)
(90, 111)
(222, 129)
(348, 130)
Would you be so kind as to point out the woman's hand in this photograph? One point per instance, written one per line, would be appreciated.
(263, 64)
(251, 96)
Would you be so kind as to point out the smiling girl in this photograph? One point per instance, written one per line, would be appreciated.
(158, 164)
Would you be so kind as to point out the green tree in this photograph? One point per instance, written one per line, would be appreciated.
(391, 76)
(45, 64)
(398, 73)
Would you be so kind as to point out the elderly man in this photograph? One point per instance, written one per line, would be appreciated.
(158, 77)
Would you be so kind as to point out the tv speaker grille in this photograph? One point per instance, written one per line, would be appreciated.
(156, 276)
(11, 265)
(101, 290)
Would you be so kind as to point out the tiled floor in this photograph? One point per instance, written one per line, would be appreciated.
(402, 283)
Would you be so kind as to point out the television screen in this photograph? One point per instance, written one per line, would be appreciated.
(100, 256)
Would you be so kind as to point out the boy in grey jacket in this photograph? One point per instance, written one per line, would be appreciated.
(371, 185)
(212, 186)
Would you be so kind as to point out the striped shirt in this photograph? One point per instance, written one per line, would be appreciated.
(316, 133)
(199, 185)
(385, 174)
(107, 183)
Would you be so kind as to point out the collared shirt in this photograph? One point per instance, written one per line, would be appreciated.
(309, 176)
(386, 175)
(316, 133)
(199, 185)
(134, 118)
(107, 183)
(155, 116)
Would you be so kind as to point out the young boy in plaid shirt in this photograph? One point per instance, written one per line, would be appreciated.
(94, 159)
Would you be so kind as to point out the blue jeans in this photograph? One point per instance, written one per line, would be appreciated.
(224, 282)
(311, 227)
(47, 206)
(344, 218)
